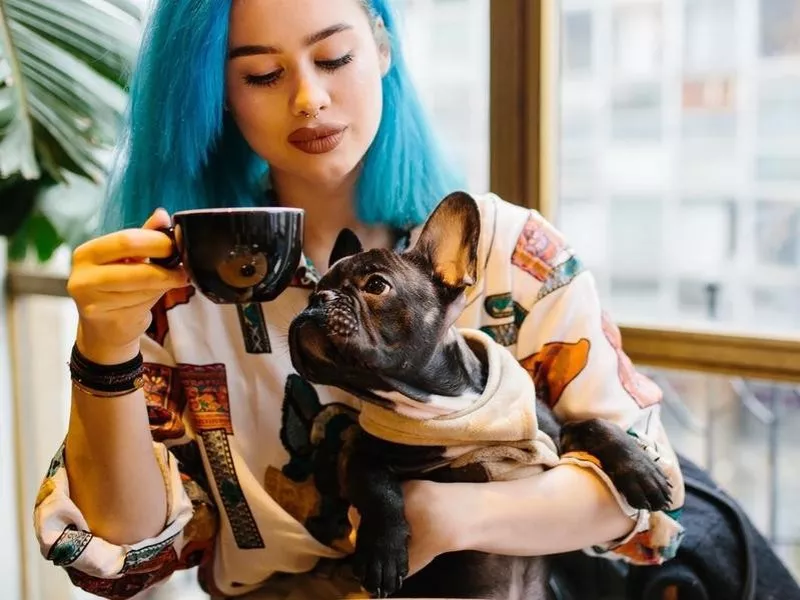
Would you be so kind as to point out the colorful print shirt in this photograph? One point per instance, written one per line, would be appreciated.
(250, 451)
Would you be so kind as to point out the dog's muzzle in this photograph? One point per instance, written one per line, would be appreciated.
(338, 312)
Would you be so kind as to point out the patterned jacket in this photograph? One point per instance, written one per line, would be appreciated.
(245, 443)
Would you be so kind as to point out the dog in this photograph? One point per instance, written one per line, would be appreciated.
(380, 325)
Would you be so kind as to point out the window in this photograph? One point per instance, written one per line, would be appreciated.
(633, 297)
(710, 36)
(577, 125)
(700, 300)
(638, 39)
(777, 167)
(777, 234)
(776, 307)
(635, 235)
(709, 109)
(636, 112)
(577, 48)
(779, 109)
(583, 222)
(447, 49)
(780, 27)
(706, 240)
(684, 148)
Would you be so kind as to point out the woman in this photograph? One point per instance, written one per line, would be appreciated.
(209, 463)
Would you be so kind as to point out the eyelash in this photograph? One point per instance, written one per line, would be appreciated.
(271, 79)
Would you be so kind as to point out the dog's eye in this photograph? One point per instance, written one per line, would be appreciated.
(376, 285)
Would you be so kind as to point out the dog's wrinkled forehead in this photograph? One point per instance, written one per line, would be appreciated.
(359, 267)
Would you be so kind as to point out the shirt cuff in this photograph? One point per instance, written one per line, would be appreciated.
(64, 536)
(654, 537)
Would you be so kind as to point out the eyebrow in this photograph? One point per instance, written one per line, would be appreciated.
(310, 40)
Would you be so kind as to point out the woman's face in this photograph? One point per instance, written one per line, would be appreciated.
(304, 83)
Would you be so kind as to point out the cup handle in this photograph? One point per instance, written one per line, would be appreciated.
(174, 259)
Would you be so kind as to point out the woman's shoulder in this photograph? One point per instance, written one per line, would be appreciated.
(509, 226)
(520, 242)
(501, 216)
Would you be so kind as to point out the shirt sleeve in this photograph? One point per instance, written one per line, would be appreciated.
(573, 350)
(186, 540)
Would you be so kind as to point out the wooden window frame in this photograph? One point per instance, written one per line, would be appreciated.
(523, 123)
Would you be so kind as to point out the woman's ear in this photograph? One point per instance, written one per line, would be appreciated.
(384, 46)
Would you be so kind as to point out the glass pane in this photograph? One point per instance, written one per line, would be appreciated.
(447, 47)
(638, 40)
(577, 32)
(743, 432)
(710, 30)
(780, 20)
(678, 158)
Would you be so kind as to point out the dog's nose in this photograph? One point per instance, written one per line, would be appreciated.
(320, 299)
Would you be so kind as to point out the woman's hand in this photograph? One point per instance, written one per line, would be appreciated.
(114, 287)
(437, 527)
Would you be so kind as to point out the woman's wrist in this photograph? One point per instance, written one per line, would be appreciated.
(465, 510)
(481, 508)
(101, 352)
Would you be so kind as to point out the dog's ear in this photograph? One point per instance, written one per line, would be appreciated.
(449, 240)
(346, 245)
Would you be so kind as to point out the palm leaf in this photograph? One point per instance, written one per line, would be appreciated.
(62, 101)
(63, 68)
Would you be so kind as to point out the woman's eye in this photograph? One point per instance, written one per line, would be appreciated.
(266, 80)
(377, 285)
(337, 63)
(270, 79)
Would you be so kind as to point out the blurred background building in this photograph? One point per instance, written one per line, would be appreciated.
(679, 174)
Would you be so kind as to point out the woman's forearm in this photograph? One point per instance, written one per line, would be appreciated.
(114, 477)
(564, 509)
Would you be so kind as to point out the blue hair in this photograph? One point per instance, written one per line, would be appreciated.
(180, 150)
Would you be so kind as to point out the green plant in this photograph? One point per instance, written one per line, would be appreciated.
(63, 68)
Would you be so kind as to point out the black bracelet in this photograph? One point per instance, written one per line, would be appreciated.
(106, 380)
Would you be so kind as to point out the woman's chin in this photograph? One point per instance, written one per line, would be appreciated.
(328, 172)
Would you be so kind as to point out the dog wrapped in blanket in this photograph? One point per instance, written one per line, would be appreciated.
(439, 403)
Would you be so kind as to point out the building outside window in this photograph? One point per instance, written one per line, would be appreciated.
(691, 169)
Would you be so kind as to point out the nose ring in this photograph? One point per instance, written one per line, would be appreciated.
(309, 115)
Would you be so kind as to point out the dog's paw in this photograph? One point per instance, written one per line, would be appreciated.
(380, 561)
(640, 480)
(632, 471)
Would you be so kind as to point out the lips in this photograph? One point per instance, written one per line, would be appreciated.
(319, 139)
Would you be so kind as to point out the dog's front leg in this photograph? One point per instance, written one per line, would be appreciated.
(381, 553)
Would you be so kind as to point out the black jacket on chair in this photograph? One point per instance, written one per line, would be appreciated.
(722, 557)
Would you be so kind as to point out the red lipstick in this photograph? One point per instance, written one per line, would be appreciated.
(318, 139)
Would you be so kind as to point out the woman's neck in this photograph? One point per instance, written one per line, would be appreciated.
(327, 212)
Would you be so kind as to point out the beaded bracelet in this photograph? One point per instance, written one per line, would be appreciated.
(106, 381)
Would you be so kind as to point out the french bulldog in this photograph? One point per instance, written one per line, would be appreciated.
(380, 325)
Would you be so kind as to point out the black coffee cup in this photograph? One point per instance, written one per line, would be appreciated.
(237, 255)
